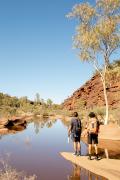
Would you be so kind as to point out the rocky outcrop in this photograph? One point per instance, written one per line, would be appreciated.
(12, 129)
(15, 121)
(91, 94)
(13, 125)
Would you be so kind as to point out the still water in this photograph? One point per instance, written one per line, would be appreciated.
(36, 150)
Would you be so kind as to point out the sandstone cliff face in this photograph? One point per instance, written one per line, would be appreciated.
(91, 94)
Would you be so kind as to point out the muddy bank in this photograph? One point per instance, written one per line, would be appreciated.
(109, 132)
(108, 168)
(15, 120)
(107, 144)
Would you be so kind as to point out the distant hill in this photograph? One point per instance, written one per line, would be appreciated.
(91, 93)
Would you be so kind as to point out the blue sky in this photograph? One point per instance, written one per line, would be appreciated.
(36, 54)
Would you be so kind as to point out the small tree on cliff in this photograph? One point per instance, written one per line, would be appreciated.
(97, 35)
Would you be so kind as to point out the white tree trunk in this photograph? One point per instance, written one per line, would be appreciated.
(106, 153)
(103, 79)
(106, 101)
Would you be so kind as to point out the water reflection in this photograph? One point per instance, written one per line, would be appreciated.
(75, 173)
(41, 123)
(17, 128)
(79, 173)
(36, 149)
(65, 122)
(27, 141)
(105, 151)
(12, 130)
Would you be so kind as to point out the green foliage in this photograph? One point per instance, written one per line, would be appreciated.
(37, 98)
(8, 111)
(97, 30)
(99, 110)
(115, 116)
(49, 102)
(113, 72)
(13, 106)
(80, 104)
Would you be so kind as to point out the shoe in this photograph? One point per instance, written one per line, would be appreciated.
(75, 153)
(89, 157)
(97, 157)
(78, 153)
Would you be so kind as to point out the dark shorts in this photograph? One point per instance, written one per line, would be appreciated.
(92, 138)
(75, 138)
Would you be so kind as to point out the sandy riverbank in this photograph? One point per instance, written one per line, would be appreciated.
(109, 168)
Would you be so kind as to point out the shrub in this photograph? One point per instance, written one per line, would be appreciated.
(9, 173)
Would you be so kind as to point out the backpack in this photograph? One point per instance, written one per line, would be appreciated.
(94, 127)
(76, 127)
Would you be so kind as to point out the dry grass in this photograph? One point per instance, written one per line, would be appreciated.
(9, 173)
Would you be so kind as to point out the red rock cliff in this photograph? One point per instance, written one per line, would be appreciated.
(91, 93)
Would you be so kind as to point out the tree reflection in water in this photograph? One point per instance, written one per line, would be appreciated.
(65, 122)
(43, 122)
(79, 173)
(75, 174)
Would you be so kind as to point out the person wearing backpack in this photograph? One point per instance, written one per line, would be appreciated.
(75, 132)
(92, 129)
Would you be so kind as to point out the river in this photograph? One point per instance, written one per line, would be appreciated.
(36, 150)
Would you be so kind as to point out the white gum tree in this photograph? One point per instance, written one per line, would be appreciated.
(97, 35)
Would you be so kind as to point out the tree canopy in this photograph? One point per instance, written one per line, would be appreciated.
(97, 35)
(98, 29)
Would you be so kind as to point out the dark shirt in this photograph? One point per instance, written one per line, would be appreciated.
(75, 125)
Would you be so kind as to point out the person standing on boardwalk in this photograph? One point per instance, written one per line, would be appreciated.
(75, 132)
(92, 129)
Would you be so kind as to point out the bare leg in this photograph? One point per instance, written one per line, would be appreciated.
(90, 148)
(96, 151)
(96, 148)
(78, 146)
(89, 151)
(75, 146)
